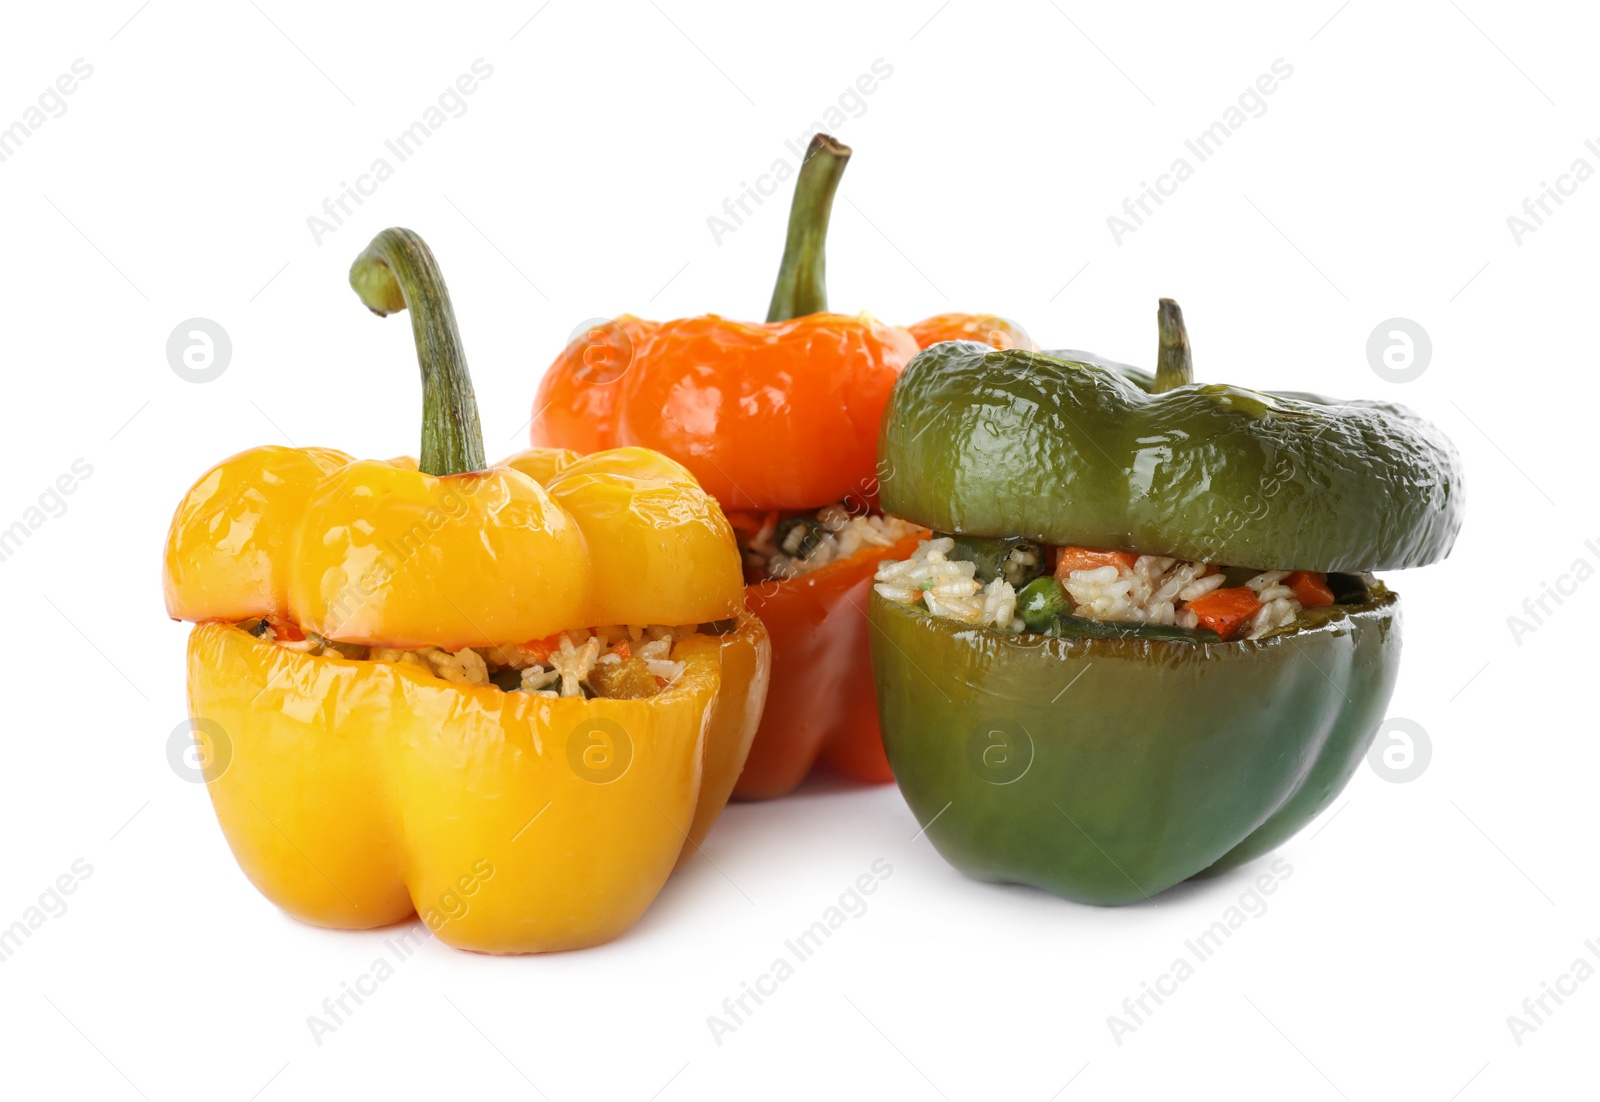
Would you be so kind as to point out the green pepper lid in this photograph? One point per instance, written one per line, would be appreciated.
(1069, 449)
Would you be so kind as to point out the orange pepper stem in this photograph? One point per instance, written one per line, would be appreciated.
(1174, 364)
(397, 272)
(802, 286)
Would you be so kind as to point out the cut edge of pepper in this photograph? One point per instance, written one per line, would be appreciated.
(865, 556)
(742, 626)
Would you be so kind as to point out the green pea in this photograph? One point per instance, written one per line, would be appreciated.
(1041, 603)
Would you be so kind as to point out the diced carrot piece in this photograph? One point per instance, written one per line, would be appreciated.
(1069, 559)
(541, 649)
(622, 650)
(287, 630)
(1310, 588)
(1226, 611)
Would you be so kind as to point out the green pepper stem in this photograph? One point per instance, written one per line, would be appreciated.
(397, 272)
(1174, 364)
(802, 286)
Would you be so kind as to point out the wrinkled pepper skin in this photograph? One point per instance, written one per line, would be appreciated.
(1017, 443)
(1109, 770)
(359, 793)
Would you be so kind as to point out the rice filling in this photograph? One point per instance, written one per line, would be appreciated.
(1108, 587)
(778, 545)
(622, 662)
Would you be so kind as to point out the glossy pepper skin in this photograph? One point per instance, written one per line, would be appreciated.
(1077, 453)
(782, 415)
(1016, 443)
(1108, 769)
(376, 552)
(356, 792)
(359, 793)
(989, 329)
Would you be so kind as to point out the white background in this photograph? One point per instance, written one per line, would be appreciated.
(578, 184)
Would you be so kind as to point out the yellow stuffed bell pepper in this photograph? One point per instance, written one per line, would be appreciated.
(509, 699)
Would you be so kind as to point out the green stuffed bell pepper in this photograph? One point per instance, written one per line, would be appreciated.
(1145, 643)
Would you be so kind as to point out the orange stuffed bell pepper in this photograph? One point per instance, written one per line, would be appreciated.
(780, 423)
(509, 699)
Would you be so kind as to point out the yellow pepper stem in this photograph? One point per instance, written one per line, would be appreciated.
(397, 272)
